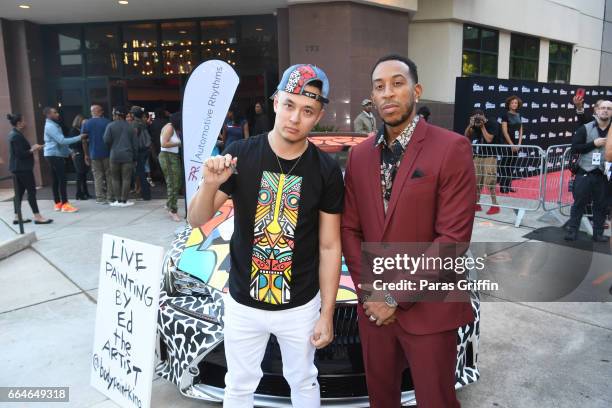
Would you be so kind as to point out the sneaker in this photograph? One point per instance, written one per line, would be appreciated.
(67, 208)
(115, 204)
(175, 217)
(493, 210)
(478, 208)
(57, 207)
(127, 203)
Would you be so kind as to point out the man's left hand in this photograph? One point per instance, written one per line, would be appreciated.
(380, 310)
(323, 333)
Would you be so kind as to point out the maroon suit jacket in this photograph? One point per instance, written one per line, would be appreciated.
(436, 207)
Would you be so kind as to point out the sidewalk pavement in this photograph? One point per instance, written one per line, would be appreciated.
(531, 354)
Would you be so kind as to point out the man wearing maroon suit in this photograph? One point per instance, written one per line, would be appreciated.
(412, 182)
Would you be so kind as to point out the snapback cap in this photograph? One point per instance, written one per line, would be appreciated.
(296, 77)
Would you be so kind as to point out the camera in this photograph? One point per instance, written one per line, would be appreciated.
(478, 120)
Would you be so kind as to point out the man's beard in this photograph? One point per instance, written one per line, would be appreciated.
(404, 117)
(603, 120)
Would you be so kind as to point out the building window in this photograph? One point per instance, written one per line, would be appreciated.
(559, 62)
(219, 40)
(141, 35)
(524, 56)
(480, 50)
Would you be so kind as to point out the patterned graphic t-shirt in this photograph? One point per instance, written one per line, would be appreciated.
(274, 250)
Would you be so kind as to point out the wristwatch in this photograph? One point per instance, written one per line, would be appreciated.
(389, 300)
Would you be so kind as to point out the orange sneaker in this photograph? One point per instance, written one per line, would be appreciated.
(68, 208)
(57, 207)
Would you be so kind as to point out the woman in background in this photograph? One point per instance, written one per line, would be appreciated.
(236, 127)
(56, 151)
(170, 162)
(512, 131)
(21, 164)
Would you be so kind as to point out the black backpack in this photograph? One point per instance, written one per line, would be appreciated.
(144, 139)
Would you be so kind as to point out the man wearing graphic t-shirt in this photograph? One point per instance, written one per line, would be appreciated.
(285, 251)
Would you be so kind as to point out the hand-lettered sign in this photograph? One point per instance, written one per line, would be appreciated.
(123, 358)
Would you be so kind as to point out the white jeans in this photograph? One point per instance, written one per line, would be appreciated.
(246, 335)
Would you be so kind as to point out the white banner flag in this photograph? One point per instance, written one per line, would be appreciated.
(123, 358)
(208, 95)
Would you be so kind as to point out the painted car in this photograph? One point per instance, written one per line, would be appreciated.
(190, 328)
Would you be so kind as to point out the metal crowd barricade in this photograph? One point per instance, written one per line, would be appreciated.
(510, 177)
(556, 196)
(537, 178)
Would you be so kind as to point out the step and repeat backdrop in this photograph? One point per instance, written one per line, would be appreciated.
(549, 116)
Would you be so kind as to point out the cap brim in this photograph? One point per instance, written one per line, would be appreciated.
(307, 94)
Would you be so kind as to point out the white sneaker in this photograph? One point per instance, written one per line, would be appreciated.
(115, 204)
(127, 203)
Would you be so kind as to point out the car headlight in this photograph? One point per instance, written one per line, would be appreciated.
(179, 283)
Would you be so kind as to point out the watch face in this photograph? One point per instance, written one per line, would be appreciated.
(390, 301)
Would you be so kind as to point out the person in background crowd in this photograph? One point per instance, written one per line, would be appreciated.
(78, 159)
(365, 122)
(261, 122)
(589, 141)
(424, 112)
(482, 131)
(170, 162)
(97, 154)
(236, 128)
(512, 131)
(584, 118)
(129, 117)
(21, 164)
(160, 120)
(120, 137)
(143, 143)
(56, 151)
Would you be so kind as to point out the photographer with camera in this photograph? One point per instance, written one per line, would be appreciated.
(481, 131)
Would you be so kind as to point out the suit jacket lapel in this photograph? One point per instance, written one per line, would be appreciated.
(412, 152)
(373, 174)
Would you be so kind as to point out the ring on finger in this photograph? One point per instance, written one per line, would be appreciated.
(372, 318)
